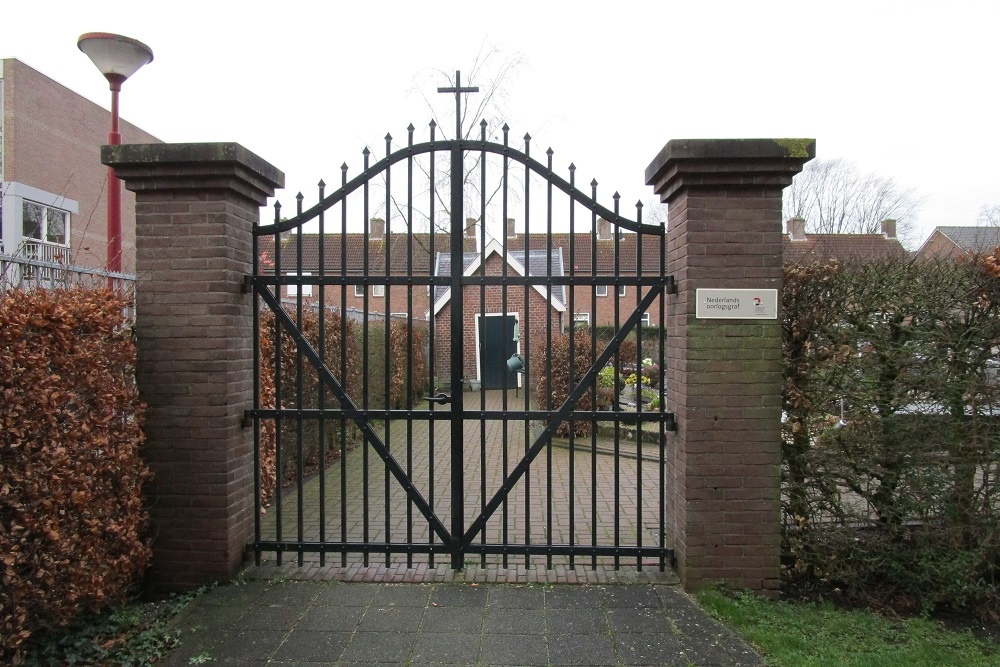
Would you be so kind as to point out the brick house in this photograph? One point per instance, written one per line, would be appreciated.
(951, 242)
(801, 248)
(52, 182)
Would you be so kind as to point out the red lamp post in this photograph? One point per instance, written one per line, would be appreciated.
(117, 58)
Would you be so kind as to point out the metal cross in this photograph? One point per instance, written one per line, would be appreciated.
(458, 90)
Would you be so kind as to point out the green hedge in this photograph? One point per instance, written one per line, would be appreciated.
(900, 496)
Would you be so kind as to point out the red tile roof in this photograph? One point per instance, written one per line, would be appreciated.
(817, 247)
(424, 249)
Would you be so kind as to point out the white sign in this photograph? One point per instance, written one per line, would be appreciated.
(737, 304)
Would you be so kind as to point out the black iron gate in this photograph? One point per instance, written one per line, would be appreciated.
(374, 435)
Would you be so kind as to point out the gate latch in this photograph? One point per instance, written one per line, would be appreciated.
(440, 398)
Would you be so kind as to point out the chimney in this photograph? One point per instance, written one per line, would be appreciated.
(796, 228)
(603, 229)
(889, 228)
(511, 232)
(376, 229)
(470, 228)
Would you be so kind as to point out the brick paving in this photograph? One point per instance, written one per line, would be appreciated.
(537, 510)
(301, 623)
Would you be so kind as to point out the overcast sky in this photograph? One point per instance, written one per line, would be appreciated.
(904, 89)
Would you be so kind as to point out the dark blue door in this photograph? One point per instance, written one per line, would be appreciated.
(496, 345)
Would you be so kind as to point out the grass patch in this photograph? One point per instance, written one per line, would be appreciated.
(133, 634)
(793, 634)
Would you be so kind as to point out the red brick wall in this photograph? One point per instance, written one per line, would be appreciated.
(939, 246)
(395, 301)
(52, 140)
(196, 210)
(724, 376)
(605, 313)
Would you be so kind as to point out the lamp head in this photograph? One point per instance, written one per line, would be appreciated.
(116, 56)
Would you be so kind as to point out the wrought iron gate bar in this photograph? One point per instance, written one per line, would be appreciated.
(299, 442)
(306, 414)
(382, 165)
(409, 337)
(286, 546)
(512, 281)
(322, 388)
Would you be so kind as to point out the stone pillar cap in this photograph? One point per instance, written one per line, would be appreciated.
(727, 162)
(193, 166)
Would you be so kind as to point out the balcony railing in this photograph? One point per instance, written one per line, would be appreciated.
(42, 251)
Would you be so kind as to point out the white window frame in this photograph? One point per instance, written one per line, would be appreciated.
(601, 290)
(378, 291)
(43, 236)
(646, 320)
(359, 291)
(293, 290)
(623, 290)
(581, 318)
(13, 196)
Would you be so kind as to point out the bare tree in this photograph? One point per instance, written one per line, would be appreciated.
(655, 212)
(989, 215)
(492, 71)
(835, 197)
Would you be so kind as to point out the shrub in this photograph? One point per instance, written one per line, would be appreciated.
(72, 519)
(407, 364)
(553, 388)
(337, 332)
(364, 376)
(898, 495)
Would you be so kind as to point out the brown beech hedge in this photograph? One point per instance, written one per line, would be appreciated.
(72, 520)
(341, 352)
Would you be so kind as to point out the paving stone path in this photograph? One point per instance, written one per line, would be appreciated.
(357, 611)
(345, 624)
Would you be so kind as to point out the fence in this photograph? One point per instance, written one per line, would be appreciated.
(27, 273)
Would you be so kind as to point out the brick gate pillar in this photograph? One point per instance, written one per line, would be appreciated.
(195, 207)
(724, 375)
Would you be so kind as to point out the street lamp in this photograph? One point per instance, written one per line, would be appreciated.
(118, 58)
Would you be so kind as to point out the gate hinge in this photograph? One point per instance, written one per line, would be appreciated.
(670, 286)
(247, 286)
